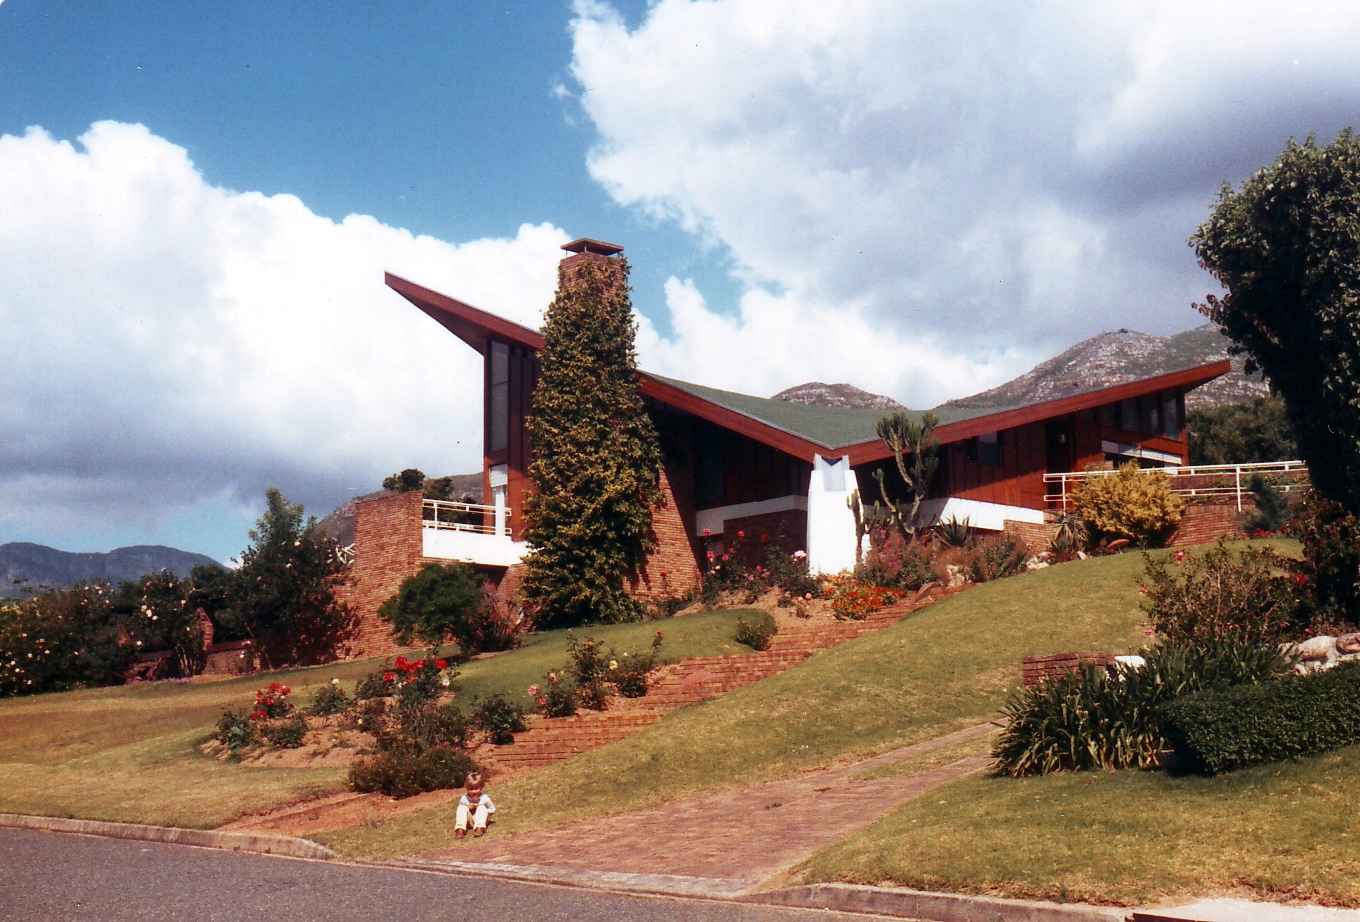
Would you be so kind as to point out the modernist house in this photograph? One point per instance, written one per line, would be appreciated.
(734, 462)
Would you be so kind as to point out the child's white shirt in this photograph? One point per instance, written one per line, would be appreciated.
(486, 799)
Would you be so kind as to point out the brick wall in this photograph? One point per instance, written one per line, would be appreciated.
(1203, 523)
(1035, 536)
(786, 529)
(387, 549)
(671, 569)
(1038, 668)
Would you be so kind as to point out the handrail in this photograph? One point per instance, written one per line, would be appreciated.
(1218, 485)
(472, 517)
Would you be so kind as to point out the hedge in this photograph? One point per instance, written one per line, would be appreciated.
(1226, 729)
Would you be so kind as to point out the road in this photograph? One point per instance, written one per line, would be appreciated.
(59, 876)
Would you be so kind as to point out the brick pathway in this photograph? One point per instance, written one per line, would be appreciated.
(737, 839)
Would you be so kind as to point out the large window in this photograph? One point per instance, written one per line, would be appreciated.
(1171, 415)
(711, 485)
(498, 399)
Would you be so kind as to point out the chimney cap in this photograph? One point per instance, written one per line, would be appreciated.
(587, 245)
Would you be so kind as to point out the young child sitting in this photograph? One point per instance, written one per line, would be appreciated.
(474, 804)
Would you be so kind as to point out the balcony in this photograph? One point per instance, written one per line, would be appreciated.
(469, 532)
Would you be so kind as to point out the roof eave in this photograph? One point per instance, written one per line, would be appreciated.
(472, 325)
(1187, 378)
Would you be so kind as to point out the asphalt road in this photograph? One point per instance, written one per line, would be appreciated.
(59, 876)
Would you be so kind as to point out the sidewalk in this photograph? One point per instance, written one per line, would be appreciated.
(738, 841)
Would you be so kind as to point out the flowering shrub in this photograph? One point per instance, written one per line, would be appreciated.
(61, 639)
(330, 699)
(414, 681)
(590, 670)
(631, 675)
(1328, 576)
(271, 703)
(995, 558)
(895, 562)
(1218, 596)
(852, 600)
(752, 568)
(554, 698)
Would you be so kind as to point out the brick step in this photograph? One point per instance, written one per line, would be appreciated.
(591, 719)
(552, 740)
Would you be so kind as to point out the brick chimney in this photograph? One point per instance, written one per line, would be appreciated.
(586, 251)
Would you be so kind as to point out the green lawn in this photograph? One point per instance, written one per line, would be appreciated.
(1275, 832)
(946, 667)
(130, 754)
(1127, 837)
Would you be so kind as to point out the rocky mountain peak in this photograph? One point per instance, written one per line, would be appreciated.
(836, 395)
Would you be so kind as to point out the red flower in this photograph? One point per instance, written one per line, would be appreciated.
(442, 663)
(741, 534)
(389, 677)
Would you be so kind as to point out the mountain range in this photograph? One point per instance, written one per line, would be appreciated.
(35, 565)
(1106, 359)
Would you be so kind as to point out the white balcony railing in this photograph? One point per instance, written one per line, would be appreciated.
(1200, 482)
(470, 532)
(476, 518)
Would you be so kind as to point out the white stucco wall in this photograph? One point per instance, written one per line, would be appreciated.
(831, 523)
(991, 516)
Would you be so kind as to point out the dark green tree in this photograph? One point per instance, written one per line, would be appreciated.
(283, 594)
(435, 605)
(407, 481)
(596, 459)
(1286, 248)
(916, 453)
(1242, 433)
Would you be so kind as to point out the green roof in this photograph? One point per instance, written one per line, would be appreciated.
(830, 427)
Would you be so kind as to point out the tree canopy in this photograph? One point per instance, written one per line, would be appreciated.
(1286, 249)
(596, 459)
(283, 593)
(1242, 433)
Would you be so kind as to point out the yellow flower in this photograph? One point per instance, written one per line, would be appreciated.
(613, 664)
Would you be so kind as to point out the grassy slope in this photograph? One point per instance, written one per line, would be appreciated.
(1273, 832)
(947, 667)
(129, 754)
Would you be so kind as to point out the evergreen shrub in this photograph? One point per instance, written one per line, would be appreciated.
(757, 633)
(1132, 504)
(1092, 719)
(499, 718)
(1226, 729)
(404, 772)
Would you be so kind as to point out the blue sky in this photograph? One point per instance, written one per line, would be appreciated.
(197, 202)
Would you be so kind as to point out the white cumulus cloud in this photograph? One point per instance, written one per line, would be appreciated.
(172, 346)
(947, 192)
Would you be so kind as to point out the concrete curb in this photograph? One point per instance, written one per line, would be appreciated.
(937, 907)
(262, 844)
(654, 884)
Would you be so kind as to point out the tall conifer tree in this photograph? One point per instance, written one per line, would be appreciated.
(596, 460)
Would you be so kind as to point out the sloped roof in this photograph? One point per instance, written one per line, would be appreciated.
(800, 429)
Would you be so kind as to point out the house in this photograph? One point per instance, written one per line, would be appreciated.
(735, 462)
